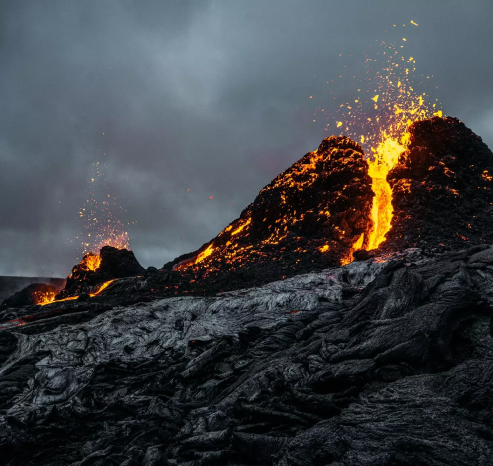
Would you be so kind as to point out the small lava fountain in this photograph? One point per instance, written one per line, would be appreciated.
(100, 217)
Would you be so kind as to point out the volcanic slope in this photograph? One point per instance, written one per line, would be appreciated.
(314, 214)
(11, 285)
(442, 188)
(95, 269)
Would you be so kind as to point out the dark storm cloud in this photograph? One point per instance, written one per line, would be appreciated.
(207, 95)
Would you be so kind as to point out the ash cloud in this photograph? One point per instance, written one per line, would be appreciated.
(211, 96)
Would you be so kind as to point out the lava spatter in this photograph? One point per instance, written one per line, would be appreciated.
(102, 214)
(95, 270)
(384, 102)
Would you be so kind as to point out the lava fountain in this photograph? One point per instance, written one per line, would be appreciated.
(100, 217)
(386, 101)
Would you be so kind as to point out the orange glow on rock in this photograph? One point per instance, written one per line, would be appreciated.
(70, 298)
(101, 288)
(51, 298)
(91, 262)
(44, 297)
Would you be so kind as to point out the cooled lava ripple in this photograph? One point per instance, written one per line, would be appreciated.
(372, 363)
(385, 361)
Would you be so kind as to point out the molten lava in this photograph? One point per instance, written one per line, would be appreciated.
(49, 298)
(90, 262)
(101, 288)
(44, 297)
(386, 156)
(315, 213)
(101, 214)
(384, 102)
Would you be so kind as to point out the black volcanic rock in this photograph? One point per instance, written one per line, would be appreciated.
(311, 216)
(387, 361)
(442, 188)
(115, 263)
(370, 364)
(30, 295)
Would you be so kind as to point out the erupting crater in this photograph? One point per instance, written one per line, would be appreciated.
(95, 271)
(430, 188)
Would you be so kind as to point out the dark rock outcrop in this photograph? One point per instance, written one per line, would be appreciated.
(442, 188)
(31, 295)
(114, 263)
(11, 285)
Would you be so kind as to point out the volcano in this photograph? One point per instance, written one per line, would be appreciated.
(324, 211)
(318, 213)
(96, 269)
(355, 328)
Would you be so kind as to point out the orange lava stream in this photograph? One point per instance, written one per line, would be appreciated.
(70, 298)
(385, 100)
(348, 258)
(101, 288)
(386, 156)
(44, 297)
(51, 298)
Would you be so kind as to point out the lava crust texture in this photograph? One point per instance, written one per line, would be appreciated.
(369, 364)
(386, 361)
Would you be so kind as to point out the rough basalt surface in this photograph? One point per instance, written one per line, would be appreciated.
(370, 364)
(442, 188)
(387, 361)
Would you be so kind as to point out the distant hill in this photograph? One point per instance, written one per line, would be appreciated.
(10, 285)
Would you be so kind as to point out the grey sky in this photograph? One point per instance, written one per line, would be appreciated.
(211, 96)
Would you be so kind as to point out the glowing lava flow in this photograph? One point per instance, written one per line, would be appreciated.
(386, 156)
(51, 298)
(44, 297)
(90, 262)
(70, 298)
